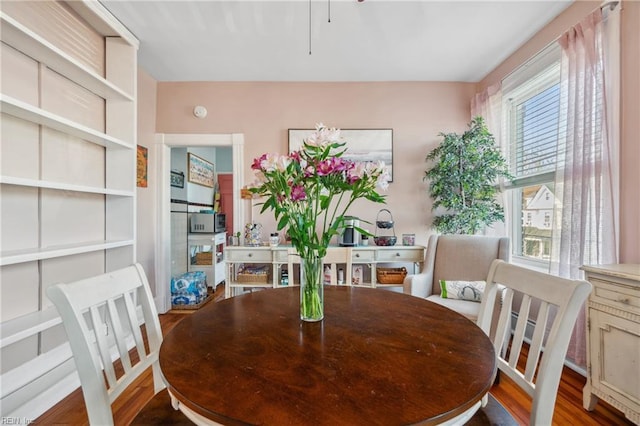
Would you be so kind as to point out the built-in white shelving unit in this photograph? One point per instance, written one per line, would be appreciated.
(67, 180)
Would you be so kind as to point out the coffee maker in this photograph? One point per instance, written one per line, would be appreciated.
(349, 237)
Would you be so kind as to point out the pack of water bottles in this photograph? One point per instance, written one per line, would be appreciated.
(189, 289)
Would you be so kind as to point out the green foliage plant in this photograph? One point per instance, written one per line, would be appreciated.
(463, 180)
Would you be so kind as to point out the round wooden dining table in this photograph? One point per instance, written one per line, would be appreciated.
(377, 358)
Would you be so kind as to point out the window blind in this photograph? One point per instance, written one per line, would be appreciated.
(534, 123)
(536, 136)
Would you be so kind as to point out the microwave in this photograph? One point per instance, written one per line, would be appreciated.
(208, 223)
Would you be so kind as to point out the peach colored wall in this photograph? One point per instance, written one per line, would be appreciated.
(417, 112)
(147, 200)
(630, 87)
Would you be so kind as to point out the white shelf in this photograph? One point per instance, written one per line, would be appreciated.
(25, 111)
(20, 328)
(30, 43)
(29, 255)
(9, 180)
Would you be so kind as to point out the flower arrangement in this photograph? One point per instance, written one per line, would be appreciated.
(310, 191)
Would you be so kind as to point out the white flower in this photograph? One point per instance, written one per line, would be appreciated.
(383, 181)
(273, 162)
(283, 162)
(358, 171)
(323, 136)
(259, 180)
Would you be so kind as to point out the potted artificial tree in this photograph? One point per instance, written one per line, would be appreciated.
(463, 180)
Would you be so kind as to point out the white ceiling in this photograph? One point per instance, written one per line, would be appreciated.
(373, 40)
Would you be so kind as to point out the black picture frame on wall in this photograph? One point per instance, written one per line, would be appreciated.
(177, 179)
(362, 144)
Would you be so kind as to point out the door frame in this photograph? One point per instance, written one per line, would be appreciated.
(164, 142)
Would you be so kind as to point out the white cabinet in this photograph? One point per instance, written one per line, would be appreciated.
(206, 253)
(271, 260)
(613, 339)
(67, 179)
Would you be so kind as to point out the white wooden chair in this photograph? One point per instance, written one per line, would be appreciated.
(560, 301)
(103, 318)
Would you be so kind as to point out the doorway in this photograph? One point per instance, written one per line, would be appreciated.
(163, 175)
(225, 182)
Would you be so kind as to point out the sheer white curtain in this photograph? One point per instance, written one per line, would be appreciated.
(585, 219)
(488, 105)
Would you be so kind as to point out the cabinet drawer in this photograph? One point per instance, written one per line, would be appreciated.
(281, 256)
(401, 254)
(615, 295)
(358, 256)
(248, 255)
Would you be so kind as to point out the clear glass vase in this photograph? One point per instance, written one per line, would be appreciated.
(311, 289)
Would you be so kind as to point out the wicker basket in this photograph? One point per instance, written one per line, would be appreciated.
(259, 275)
(204, 258)
(391, 275)
(253, 278)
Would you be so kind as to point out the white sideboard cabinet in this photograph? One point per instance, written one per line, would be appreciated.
(613, 338)
(272, 259)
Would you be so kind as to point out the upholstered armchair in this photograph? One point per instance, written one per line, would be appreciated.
(456, 257)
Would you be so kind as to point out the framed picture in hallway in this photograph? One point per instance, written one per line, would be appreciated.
(177, 179)
(142, 164)
(362, 144)
(200, 171)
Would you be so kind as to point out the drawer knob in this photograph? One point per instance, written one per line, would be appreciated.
(357, 254)
(397, 254)
(250, 255)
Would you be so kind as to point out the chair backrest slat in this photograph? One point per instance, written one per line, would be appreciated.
(504, 322)
(535, 348)
(119, 334)
(566, 296)
(520, 331)
(100, 330)
(132, 316)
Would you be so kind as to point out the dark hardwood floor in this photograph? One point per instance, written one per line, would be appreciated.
(568, 411)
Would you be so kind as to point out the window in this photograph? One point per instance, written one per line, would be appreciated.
(531, 97)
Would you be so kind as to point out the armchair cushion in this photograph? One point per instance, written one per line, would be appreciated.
(463, 290)
(465, 308)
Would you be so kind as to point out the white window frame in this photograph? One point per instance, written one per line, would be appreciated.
(546, 67)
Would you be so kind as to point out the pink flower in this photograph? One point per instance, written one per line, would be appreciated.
(324, 168)
(271, 162)
(309, 171)
(298, 193)
(257, 162)
(356, 172)
(339, 164)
